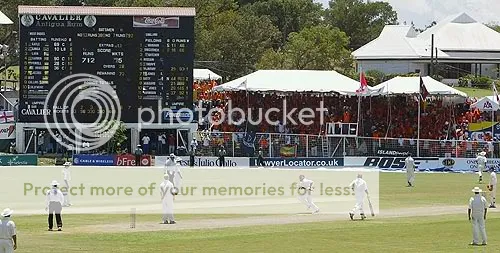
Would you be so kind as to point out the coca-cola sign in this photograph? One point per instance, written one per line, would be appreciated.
(156, 22)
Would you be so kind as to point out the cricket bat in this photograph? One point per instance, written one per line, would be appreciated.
(370, 205)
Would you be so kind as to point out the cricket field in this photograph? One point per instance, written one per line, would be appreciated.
(430, 217)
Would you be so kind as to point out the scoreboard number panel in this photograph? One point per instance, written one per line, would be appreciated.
(148, 60)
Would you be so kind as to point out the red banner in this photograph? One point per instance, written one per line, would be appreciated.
(129, 160)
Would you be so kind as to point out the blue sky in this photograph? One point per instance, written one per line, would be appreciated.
(423, 12)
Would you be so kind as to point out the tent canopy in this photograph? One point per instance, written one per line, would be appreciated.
(486, 104)
(205, 74)
(4, 20)
(293, 81)
(411, 85)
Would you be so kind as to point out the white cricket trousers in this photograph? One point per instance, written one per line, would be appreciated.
(493, 195)
(66, 194)
(410, 177)
(177, 182)
(168, 210)
(480, 170)
(307, 200)
(6, 246)
(478, 228)
(358, 207)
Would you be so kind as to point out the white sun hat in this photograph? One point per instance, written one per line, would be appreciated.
(7, 212)
(477, 189)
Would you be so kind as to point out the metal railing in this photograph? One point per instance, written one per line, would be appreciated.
(298, 145)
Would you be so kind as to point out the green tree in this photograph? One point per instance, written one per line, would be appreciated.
(319, 47)
(288, 15)
(494, 25)
(118, 137)
(228, 40)
(362, 22)
(137, 3)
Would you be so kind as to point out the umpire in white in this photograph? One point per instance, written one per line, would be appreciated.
(8, 237)
(55, 199)
(478, 206)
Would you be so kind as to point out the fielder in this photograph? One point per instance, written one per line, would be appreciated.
(172, 168)
(360, 188)
(410, 170)
(305, 189)
(478, 208)
(493, 187)
(8, 237)
(481, 164)
(67, 178)
(167, 200)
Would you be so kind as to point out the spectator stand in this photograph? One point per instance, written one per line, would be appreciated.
(411, 93)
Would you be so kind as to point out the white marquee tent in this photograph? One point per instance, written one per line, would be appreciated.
(4, 20)
(293, 81)
(205, 74)
(486, 104)
(411, 85)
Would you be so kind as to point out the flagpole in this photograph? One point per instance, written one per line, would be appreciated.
(493, 112)
(359, 102)
(418, 124)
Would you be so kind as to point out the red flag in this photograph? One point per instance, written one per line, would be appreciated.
(423, 91)
(363, 87)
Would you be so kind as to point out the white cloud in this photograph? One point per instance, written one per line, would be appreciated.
(422, 12)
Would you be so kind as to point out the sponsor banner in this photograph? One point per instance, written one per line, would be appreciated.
(17, 160)
(7, 131)
(443, 164)
(479, 130)
(94, 160)
(205, 161)
(156, 22)
(129, 160)
(466, 164)
(393, 163)
(399, 152)
(300, 162)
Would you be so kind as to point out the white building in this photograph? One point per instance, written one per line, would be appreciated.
(463, 46)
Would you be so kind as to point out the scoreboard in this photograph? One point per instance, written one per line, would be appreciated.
(147, 59)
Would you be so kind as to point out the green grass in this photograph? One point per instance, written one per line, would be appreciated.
(430, 189)
(475, 92)
(450, 233)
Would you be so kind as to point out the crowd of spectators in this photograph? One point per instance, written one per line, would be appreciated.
(382, 117)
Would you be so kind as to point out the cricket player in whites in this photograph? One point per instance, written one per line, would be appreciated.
(478, 207)
(360, 188)
(305, 188)
(67, 177)
(481, 164)
(172, 168)
(493, 187)
(410, 170)
(8, 237)
(167, 200)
